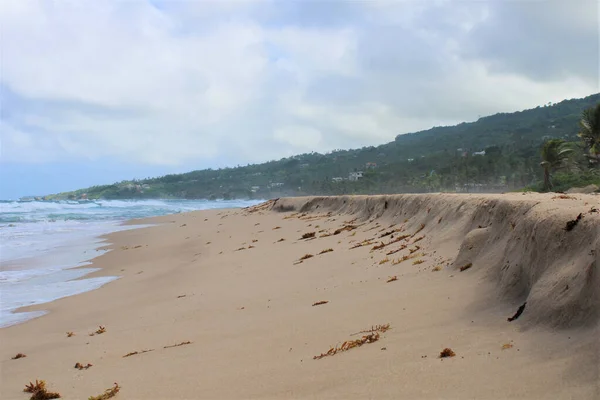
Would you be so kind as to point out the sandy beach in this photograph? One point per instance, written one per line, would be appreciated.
(223, 304)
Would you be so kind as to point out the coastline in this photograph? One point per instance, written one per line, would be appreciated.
(253, 329)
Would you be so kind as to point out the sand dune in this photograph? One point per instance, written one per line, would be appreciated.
(288, 299)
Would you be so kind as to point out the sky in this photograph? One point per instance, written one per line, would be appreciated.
(94, 92)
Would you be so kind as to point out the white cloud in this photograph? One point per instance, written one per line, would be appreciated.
(246, 81)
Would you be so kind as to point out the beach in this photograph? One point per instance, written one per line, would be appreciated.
(349, 297)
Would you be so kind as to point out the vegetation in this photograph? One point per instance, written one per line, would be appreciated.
(493, 154)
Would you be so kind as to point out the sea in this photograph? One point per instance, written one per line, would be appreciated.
(42, 242)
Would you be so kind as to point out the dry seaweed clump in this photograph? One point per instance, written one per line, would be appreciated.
(19, 355)
(39, 392)
(326, 251)
(447, 352)
(108, 393)
(344, 228)
(70, 334)
(318, 303)
(133, 353)
(308, 235)
(80, 366)
(178, 344)
(392, 279)
(306, 257)
(98, 331)
(349, 344)
(466, 267)
(417, 262)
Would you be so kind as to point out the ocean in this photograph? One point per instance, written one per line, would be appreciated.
(41, 242)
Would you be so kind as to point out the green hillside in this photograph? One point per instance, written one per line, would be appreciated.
(437, 159)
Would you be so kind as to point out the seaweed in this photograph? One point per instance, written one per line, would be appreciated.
(80, 366)
(571, 224)
(305, 257)
(466, 267)
(108, 393)
(98, 331)
(344, 228)
(39, 392)
(318, 303)
(326, 251)
(417, 262)
(349, 344)
(518, 313)
(377, 328)
(70, 334)
(447, 352)
(308, 235)
(133, 353)
(392, 279)
(19, 355)
(177, 345)
(418, 230)
(384, 261)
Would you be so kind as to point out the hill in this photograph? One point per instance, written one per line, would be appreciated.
(495, 153)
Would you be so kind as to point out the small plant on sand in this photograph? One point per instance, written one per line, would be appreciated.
(466, 267)
(417, 262)
(39, 392)
(277, 227)
(70, 334)
(437, 268)
(80, 366)
(108, 393)
(385, 260)
(392, 279)
(318, 303)
(280, 240)
(306, 257)
(507, 346)
(326, 251)
(447, 352)
(19, 355)
(308, 235)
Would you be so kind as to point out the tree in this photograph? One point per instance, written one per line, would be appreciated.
(555, 155)
(590, 132)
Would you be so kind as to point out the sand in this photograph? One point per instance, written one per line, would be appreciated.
(230, 282)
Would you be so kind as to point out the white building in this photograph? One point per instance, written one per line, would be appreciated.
(354, 176)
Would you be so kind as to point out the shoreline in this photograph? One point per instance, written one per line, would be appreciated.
(249, 313)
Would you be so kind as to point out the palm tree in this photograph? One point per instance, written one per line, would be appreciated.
(590, 133)
(555, 155)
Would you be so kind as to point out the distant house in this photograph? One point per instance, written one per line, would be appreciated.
(354, 176)
(304, 165)
(337, 179)
(255, 189)
(479, 153)
(276, 184)
(371, 165)
(410, 159)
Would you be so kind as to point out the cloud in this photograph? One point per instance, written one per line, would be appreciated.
(170, 83)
